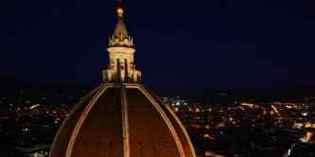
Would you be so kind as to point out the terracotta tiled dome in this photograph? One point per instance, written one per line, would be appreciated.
(120, 118)
(97, 124)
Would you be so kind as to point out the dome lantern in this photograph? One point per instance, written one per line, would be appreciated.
(121, 53)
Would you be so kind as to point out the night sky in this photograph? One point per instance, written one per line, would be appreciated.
(180, 43)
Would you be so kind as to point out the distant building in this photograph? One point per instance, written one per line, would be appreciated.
(34, 151)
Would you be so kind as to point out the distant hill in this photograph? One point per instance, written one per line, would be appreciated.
(56, 92)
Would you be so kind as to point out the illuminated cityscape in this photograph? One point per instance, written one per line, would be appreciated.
(237, 129)
(224, 88)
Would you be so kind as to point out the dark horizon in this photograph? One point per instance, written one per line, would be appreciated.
(222, 44)
(11, 86)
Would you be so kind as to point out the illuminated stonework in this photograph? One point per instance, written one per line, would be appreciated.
(120, 118)
(121, 50)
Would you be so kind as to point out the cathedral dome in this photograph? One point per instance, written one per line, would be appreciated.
(121, 118)
(115, 120)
